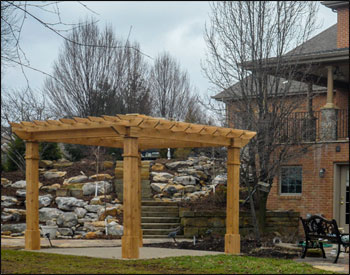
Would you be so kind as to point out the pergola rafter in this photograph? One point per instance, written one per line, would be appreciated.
(133, 133)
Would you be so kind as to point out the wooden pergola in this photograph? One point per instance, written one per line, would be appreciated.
(133, 133)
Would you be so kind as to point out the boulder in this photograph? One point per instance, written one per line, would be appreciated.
(52, 187)
(45, 200)
(46, 214)
(65, 231)
(110, 211)
(5, 182)
(186, 180)
(93, 208)
(99, 223)
(45, 163)
(7, 201)
(161, 176)
(220, 179)
(21, 184)
(91, 235)
(69, 203)
(189, 188)
(158, 187)
(101, 177)
(158, 167)
(91, 216)
(95, 201)
(177, 164)
(108, 164)
(76, 179)
(13, 228)
(80, 212)
(14, 215)
(115, 229)
(21, 193)
(62, 164)
(193, 172)
(67, 219)
(89, 188)
(54, 175)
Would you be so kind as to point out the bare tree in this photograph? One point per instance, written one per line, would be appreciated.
(171, 88)
(242, 39)
(93, 81)
(16, 106)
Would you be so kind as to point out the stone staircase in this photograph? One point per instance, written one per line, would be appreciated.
(159, 218)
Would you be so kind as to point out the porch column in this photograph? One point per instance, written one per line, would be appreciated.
(330, 103)
(140, 206)
(232, 237)
(329, 112)
(131, 205)
(32, 233)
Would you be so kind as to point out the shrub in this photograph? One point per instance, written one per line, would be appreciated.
(182, 153)
(15, 154)
(76, 152)
(49, 151)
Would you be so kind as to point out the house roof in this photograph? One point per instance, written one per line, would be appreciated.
(295, 88)
(335, 4)
(150, 132)
(320, 48)
(325, 41)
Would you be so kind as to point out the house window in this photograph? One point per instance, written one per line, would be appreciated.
(291, 180)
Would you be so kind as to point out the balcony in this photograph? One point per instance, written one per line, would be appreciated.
(301, 127)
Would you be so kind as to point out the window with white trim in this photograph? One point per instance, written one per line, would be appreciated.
(291, 180)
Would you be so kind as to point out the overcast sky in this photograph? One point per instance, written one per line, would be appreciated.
(176, 27)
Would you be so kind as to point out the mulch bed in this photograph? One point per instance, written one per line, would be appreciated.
(248, 247)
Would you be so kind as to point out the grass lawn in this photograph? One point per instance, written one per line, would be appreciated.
(24, 262)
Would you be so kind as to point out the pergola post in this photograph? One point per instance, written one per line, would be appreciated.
(140, 206)
(232, 237)
(131, 205)
(32, 233)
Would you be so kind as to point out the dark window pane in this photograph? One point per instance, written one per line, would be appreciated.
(291, 180)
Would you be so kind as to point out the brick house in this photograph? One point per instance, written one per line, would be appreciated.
(317, 182)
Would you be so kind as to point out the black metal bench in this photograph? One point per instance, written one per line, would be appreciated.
(319, 230)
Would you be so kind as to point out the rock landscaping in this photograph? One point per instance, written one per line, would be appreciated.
(84, 204)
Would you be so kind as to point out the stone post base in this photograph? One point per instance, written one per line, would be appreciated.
(328, 127)
(233, 244)
(32, 239)
(130, 247)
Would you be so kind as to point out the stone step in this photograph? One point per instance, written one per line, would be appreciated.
(164, 232)
(160, 214)
(158, 203)
(159, 225)
(170, 209)
(160, 219)
(161, 237)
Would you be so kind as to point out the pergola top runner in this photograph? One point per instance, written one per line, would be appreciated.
(151, 132)
(133, 133)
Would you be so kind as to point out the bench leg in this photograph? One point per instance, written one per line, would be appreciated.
(304, 250)
(323, 253)
(336, 258)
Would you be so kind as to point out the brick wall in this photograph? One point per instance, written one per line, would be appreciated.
(343, 28)
(317, 193)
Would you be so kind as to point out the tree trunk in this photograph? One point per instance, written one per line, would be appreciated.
(262, 201)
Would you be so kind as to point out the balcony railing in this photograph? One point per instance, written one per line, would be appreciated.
(303, 127)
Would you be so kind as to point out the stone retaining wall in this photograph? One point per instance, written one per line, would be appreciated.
(283, 223)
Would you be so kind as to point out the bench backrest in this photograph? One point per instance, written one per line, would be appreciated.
(316, 227)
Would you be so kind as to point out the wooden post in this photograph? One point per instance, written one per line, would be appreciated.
(32, 233)
(232, 237)
(140, 206)
(130, 239)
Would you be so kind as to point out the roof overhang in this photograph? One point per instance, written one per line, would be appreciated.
(335, 4)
